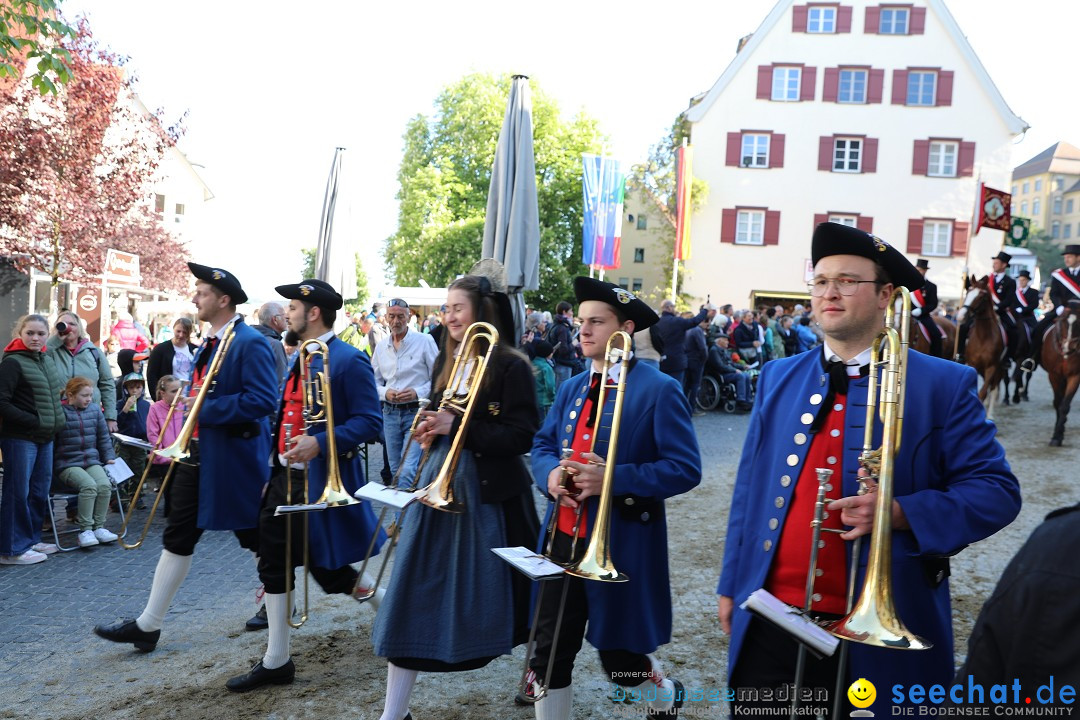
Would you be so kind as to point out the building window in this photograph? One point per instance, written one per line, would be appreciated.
(179, 214)
(1038, 185)
(849, 220)
(894, 21)
(1057, 204)
(159, 204)
(1023, 208)
(1067, 229)
(750, 227)
(847, 155)
(636, 285)
(1069, 206)
(1036, 206)
(821, 20)
(1013, 189)
(785, 83)
(1059, 184)
(852, 87)
(624, 283)
(936, 238)
(639, 255)
(1055, 229)
(755, 151)
(1026, 188)
(942, 159)
(921, 87)
(642, 222)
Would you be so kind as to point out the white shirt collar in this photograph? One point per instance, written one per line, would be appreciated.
(613, 372)
(854, 363)
(325, 337)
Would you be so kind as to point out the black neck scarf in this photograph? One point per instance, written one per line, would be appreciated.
(838, 385)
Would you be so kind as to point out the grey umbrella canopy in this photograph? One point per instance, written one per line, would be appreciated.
(512, 223)
(334, 262)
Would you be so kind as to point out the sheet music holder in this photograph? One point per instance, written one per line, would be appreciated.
(118, 471)
(526, 561)
(793, 621)
(132, 441)
(382, 495)
(301, 508)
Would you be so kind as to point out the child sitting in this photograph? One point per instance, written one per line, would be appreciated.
(132, 411)
(545, 376)
(167, 388)
(80, 450)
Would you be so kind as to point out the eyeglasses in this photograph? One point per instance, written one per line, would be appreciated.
(845, 286)
(398, 302)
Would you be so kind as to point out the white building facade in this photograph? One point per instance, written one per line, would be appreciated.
(875, 115)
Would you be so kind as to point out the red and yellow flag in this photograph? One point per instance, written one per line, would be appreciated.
(684, 180)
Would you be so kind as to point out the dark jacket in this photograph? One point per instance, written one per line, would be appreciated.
(84, 441)
(720, 361)
(1006, 296)
(160, 363)
(745, 336)
(274, 338)
(696, 352)
(29, 395)
(561, 337)
(672, 329)
(132, 422)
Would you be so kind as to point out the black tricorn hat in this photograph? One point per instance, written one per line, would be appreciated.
(835, 239)
(223, 280)
(313, 291)
(1003, 257)
(632, 307)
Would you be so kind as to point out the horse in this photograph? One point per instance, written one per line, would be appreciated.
(947, 328)
(1061, 358)
(985, 349)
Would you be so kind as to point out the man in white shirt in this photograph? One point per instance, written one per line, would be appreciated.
(403, 363)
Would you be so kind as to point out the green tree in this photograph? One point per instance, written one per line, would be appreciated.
(31, 32)
(443, 185)
(307, 257)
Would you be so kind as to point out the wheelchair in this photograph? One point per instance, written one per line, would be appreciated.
(715, 393)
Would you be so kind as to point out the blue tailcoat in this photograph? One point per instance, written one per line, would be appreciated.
(234, 433)
(658, 458)
(951, 479)
(339, 536)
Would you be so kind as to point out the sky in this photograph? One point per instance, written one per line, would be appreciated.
(271, 88)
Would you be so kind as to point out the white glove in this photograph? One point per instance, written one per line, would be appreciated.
(1060, 309)
(1020, 310)
(916, 312)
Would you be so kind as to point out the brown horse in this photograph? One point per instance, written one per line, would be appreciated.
(985, 349)
(948, 331)
(1061, 358)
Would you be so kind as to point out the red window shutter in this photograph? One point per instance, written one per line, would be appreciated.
(843, 19)
(960, 238)
(820, 218)
(764, 82)
(869, 155)
(831, 85)
(809, 77)
(875, 85)
(729, 217)
(772, 227)
(866, 224)
(917, 26)
(899, 87)
(965, 161)
(920, 159)
(734, 149)
(944, 88)
(776, 150)
(798, 18)
(825, 153)
(914, 237)
(873, 20)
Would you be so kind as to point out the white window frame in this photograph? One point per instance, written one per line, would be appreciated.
(1036, 206)
(1069, 206)
(821, 19)
(1014, 188)
(1055, 229)
(937, 238)
(1023, 208)
(786, 83)
(845, 151)
(889, 21)
(849, 220)
(1027, 187)
(943, 158)
(858, 79)
(1038, 185)
(1059, 184)
(758, 154)
(1057, 204)
(926, 86)
(750, 227)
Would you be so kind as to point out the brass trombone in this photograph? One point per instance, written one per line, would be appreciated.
(468, 373)
(179, 450)
(596, 563)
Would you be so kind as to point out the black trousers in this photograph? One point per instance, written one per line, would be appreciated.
(271, 541)
(933, 331)
(765, 673)
(623, 667)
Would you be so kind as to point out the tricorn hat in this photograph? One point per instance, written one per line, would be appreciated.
(836, 239)
(313, 291)
(624, 301)
(223, 280)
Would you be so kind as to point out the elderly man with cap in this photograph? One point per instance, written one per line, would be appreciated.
(1064, 286)
(924, 302)
(219, 487)
(336, 536)
(1002, 289)
(658, 458)
(952, 487)
(403, 362)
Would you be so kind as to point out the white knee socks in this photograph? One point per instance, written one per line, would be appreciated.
(555, 705)
(277, 645)
(171, 571)
(658, 692)
(399, 686)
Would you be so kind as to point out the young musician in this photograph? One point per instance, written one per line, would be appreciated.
(337, 535)
(452, 604)
(219, 487)
(952, 487)
(658, 458)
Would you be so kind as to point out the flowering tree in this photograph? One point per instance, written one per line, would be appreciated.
(76, 170)
(28, 33)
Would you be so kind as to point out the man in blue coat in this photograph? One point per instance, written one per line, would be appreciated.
(952, 487)
(337, 536)
(658, 458)
(219, 487)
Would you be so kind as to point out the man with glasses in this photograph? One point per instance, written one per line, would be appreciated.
(271, 325)
(403, 363)
(952, 487)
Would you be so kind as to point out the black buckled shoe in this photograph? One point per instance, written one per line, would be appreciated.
(127, 631)
(680, 696)
(259, 676)
(258, 621)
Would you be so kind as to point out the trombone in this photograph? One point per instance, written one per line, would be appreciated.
(596, 563)
(179, 450)
(318, 409)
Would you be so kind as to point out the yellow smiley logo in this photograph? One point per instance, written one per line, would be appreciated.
(862, 693)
